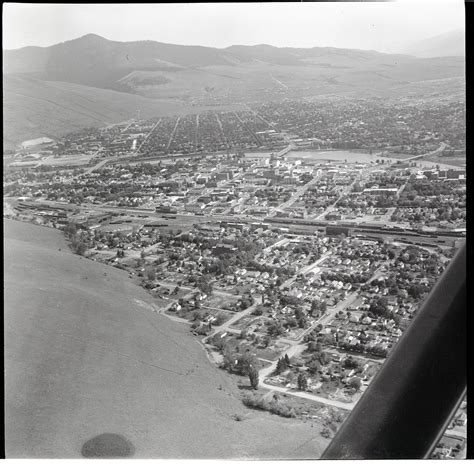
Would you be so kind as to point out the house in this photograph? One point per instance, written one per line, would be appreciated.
(461, 420)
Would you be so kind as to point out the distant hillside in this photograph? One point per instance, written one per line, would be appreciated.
(93, 60)
(92, 80)
(158, 67)
(448, 44)
(35, 108)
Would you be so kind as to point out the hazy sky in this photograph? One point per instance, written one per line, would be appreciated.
(377, 26)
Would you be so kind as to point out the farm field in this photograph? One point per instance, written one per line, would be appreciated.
(86, 360)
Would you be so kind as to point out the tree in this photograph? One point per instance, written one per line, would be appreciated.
(314, 346)
(253, 377)
(204, 285)
(275, 328)
(317, 305)
(78, 246)
(243, 334)
(313, 366)
(150, 274)
(71, 229)
(246, 362)
(229, 359)
(282, 365)
(302, 381)
(355, 383)
(350, 363)
(378, 307)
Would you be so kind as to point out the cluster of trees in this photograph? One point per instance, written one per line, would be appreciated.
(350, 363)
(428, 194)
(301, 318)
(318, 307)
(78, 244)
(200, 328)
(283, 364)
(289, 300)
(71, 229)
(318, 359)
(355, 383)
(120, 253)
(273, 405)
(275, 328)
(239, 362)
(204, 285)
(361, 348)
(378, 307)
(302, 381)
(246, 301)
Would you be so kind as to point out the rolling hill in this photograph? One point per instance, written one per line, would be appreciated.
(448, 44)
(86, 360)
(36, 108)
(92, 80)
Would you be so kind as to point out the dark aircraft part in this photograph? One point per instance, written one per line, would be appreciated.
(409, 404)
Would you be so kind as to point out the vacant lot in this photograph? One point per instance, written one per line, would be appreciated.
(87, 366)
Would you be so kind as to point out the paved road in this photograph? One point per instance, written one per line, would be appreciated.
(288, 282)
(279, 82)
(362, 175)
(311, 397)
(295, 350)
(173, 132)
(299, 191)
(341, 306)
(148, 135)
(226, 326)
(281, 242)
(97, 166)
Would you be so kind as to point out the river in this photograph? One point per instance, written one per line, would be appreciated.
(357, 157)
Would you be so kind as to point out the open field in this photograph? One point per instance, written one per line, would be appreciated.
(86, 363)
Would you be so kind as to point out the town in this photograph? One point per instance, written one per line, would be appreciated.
(297, 240)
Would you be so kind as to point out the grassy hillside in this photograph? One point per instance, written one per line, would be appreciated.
(85, 357)
(34, 108)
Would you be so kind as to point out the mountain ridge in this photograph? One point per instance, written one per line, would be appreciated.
(126, 76)
(447, 44)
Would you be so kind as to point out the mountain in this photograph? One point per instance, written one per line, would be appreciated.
(92, 80)
(448, 44)
(158, 67)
